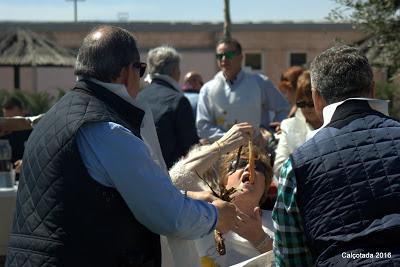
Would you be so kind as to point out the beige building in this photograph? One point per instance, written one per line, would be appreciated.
(269, 48)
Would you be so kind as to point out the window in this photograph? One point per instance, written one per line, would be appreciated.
(298, 59)
(253, 60)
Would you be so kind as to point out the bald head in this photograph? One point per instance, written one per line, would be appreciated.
(104, 52)
(193, 81)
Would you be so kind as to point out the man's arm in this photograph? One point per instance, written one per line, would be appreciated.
(272, 100)
(116, 158)
(206, 127)
(289, 245)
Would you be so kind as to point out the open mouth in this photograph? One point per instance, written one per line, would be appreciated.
(245, 178)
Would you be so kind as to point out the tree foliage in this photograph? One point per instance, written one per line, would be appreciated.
(34, 103)
(380, 20)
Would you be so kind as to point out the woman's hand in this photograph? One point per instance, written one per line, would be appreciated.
(237, 136)
(250, 228)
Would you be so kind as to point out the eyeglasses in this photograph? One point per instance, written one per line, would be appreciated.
(141, 66)
(305, 104)
(259, 165)
(227, 55)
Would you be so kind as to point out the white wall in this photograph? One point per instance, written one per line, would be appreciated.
(48, 79)
(202, 62)
(6, 78)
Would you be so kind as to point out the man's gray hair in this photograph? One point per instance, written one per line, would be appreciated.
(104, 52)
(163, 60)
(341, 72)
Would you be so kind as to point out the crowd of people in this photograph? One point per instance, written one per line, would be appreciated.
(176, 175)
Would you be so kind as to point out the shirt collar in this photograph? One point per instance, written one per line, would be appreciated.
(120, 90)
(238, 77)
(379, 105)
(165, 78)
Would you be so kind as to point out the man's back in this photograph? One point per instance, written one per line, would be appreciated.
(348, 187)
(173, 118)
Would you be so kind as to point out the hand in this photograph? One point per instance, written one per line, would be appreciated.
(276, 125)
(237, 136)
(202, 195)
(250, 228)
(262, 139)
(18, 165)
(227, 215)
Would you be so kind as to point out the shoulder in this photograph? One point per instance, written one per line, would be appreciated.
(107, 131)
(257, 76)
(181, 100)
(216, 81)
(287, 123)
(294, 122)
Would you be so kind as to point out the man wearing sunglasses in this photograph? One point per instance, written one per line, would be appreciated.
(235, 95)
(90, 193)
(172, 112)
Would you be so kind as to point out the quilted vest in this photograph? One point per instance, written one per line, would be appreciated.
(348, 188)
(63, 216)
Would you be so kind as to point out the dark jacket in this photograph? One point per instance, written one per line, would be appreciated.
(63, 216)
(173, 117)
(348, 188)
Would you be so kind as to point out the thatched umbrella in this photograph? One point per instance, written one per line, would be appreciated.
(19, 48)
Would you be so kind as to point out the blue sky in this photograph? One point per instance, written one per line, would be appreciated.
(167, 10)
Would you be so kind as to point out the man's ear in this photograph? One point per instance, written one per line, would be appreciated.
(319, 103)
(241, 57)
(123, 76)
(373, 89)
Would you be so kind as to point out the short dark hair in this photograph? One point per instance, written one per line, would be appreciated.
(12, 102)
(341, 72)
(104, 52)
(233, 42)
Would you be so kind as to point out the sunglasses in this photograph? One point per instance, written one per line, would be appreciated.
(141, 66)
(242, 163)
(305, 104)
(227, 55)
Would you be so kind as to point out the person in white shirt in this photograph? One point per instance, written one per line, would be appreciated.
(235, 95)
(295, 130)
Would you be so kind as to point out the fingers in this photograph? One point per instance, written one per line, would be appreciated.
(201, 195)
(257, 213)
(244, 127)
(276, 125)
(210, 197)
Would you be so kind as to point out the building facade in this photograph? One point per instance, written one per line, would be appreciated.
(268, 48)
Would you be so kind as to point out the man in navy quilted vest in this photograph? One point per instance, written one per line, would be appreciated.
(90, 193)
(339, 193)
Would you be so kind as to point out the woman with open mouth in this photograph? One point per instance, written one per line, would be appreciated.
(253, 235)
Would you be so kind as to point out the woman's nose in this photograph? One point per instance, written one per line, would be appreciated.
(247, 167)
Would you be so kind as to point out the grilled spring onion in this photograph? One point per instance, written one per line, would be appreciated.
(251, 162)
